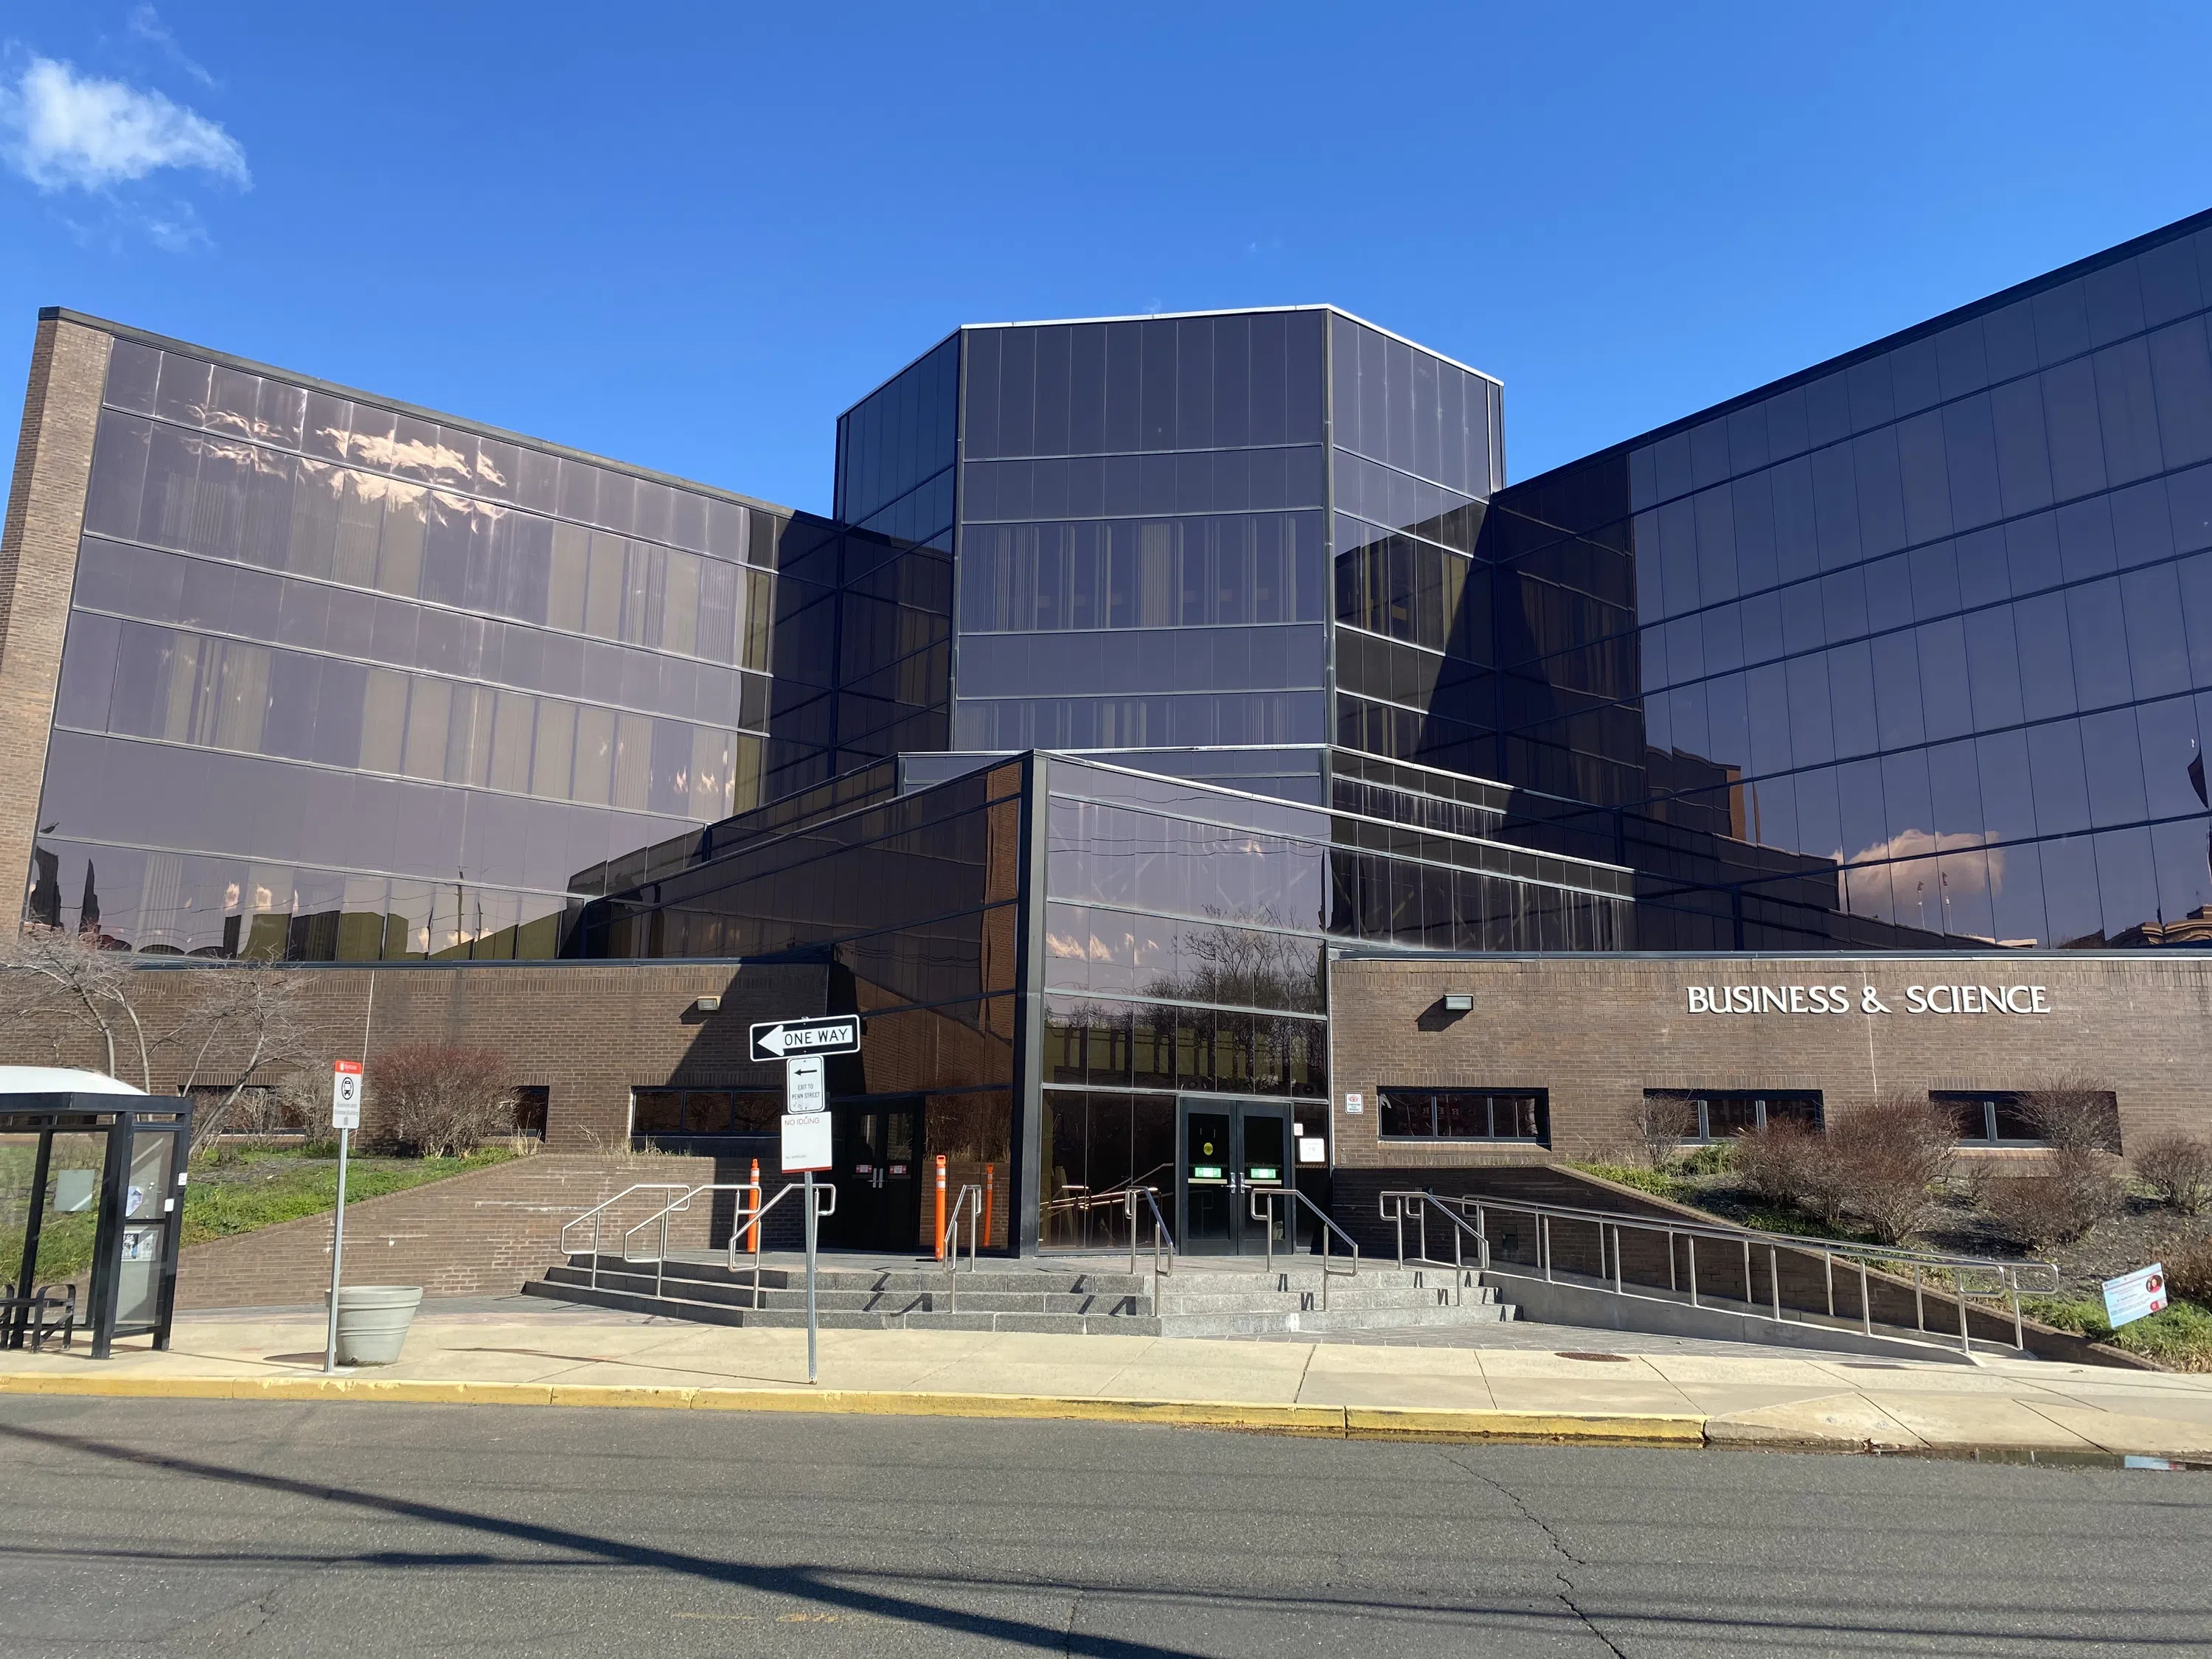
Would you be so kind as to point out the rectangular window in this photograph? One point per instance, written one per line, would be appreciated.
(2000, 1117)
(1719, 1114)
(1467, 1115)
(704, 1112)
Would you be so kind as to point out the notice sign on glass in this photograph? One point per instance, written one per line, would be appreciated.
(2135, 1296)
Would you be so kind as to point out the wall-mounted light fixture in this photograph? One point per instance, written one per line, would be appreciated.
(1458, 1003)
(706, 1005)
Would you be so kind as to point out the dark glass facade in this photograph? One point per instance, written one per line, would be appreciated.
(346, 680)
(1930, 625)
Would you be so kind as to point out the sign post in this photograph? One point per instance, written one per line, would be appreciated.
(805, 1147)
(345, 1118)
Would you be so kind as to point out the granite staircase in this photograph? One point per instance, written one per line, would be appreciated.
(1070, 1297)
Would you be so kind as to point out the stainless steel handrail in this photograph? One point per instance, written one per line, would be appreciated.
(1163, 1240)
(682, 1201)
(2010, 1279)
(970, 1200)
(1392, 1206)
(748, 1223)
(597, 1210)
(1269, 1195)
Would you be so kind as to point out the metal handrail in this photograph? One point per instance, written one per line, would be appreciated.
(1269, 1195)
(1392, 1206)
(2011, 1279)
(1163, 1240)
(748, 1223)
(682, 1201)
(968, 1199)
(597, 1210)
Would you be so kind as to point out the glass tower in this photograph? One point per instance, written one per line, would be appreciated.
(1922, 637)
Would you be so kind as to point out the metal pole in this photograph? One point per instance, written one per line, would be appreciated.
(1866, 1307)
(1919, 1304)
(337, 1256)
(1828, 1269)
(1774, 1278)
(1693, 1239)
(1543, 1244)
(810, 1274)
(2019, 1336)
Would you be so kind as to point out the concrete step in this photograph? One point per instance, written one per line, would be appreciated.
(1269, 1322)
(716, 1313)
(741, 1294)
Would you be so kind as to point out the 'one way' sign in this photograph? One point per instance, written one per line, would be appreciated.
(781, 1039)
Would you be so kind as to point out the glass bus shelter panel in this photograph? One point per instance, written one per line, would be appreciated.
(151, 1197)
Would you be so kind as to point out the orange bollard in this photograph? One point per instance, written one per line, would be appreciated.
(990, 1197)
(752, 1203)
(940, 1206)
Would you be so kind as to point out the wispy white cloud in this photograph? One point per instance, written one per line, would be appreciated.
(63, 129)
(145, 23)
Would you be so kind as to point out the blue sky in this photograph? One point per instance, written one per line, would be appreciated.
(688, 236)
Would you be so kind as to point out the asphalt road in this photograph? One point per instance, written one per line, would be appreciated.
(161, 1528)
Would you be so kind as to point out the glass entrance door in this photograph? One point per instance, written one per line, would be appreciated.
(876, 1155)
(1225, 1151)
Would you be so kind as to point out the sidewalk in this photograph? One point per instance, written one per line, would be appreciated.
(514, 1351)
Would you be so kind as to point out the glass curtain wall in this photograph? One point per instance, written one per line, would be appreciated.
(1185, 928)
(864, 615)
(1141, 557)
(345, 681)
(1937, 617)
(915, 904)
(1417, 452)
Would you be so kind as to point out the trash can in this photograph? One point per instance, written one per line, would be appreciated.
(373, 1322)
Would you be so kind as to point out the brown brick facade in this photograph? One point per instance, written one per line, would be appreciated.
(1597, 1031)
(587, 1032)
(38, 562)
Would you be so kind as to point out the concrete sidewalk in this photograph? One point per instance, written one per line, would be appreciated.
(514, 1352)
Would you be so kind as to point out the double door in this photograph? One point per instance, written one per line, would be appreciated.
(875, 1155)
(1226, 1150)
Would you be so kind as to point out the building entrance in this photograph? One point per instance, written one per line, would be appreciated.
(876, 1158)
(1225, 1149)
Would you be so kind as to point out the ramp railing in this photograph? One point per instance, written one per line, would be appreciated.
(1960, 1277)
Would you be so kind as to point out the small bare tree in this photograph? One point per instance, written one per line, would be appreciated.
(54, 981)
(1784, 1161)
(442, 1099)
(1656, 1126)
(245, 1023)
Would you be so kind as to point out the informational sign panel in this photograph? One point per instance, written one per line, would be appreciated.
(2135, 1296)
(805, 1141)
(1355, 1103)
(345, 1094)
(781, 1039)
(804, 1087)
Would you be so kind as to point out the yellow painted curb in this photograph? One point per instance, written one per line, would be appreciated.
(1334, 1422)
(1612, 1428)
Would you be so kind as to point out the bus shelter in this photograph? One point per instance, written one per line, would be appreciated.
(94, 1170)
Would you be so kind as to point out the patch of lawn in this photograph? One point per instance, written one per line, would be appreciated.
(2180, 1339)
(241, 1191)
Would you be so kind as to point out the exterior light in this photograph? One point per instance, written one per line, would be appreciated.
(706, 1005)
(1459, 1003)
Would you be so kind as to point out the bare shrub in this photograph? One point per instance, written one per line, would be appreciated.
(1785, 1162)
(1654, 1129)
(2034, 1211)
(2189, 1272)
(441, 1099)
(2179, 1169)
(1882, 1162)
(2073, 1114)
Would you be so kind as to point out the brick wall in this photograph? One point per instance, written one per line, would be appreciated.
(587, 1032)
(1598, 1031)
(482, 1234)
(38, 562)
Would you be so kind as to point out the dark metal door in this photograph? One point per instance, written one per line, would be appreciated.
(876, 1154)
(1226, 1150)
